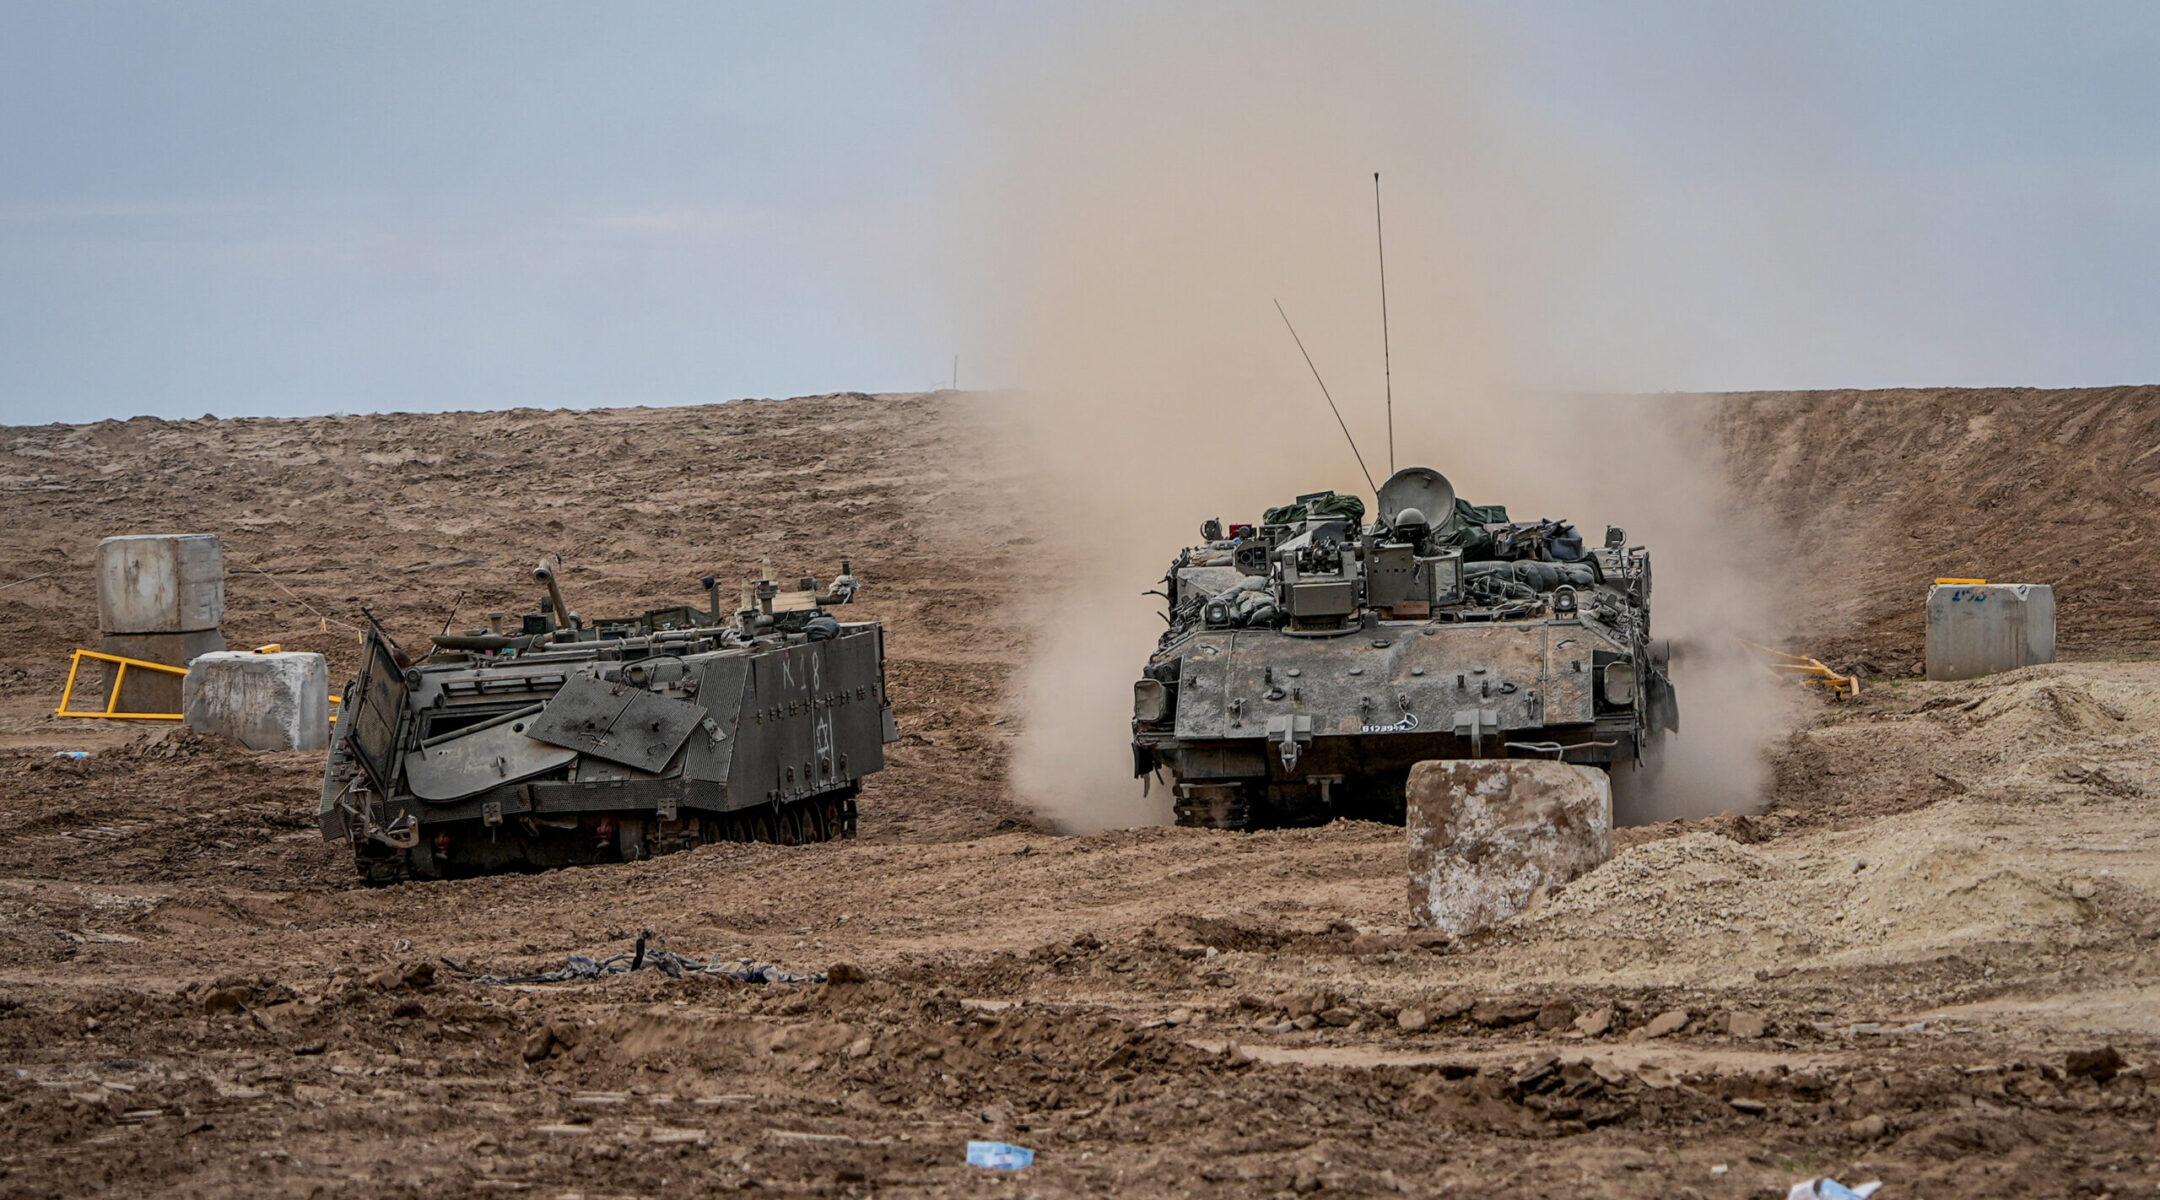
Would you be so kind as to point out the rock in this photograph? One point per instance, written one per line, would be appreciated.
(1410, 1020)
(1451, 1006)
(1281, 1027)
(1179, 1017)
(1312, 1003)
(1305, 1022)
(262, 701)
(538, 1043)
(1868, 1128)
(224, 1000)
(860, 1047)
(1553, 1016)
(1338, 1016)
(1486, 833)
(1494, 1014)
(1533, 1075)
(1753, 1108)
(842, 972)
(419, 974)
(1746, 1024)
(1666, 1023)
(2097, 1065)
(1597, 1022)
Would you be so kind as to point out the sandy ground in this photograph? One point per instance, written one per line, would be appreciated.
(1931, 958)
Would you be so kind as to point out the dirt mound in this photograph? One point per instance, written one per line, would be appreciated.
(1693, 906)
(2064, 733)
(1935, 819)
(1880, 492)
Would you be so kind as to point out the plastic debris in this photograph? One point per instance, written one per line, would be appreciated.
(580, 967)
(71, 754)
(1826, 1188)
(999, 1156)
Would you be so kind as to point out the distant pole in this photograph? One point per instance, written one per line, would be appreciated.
(1387, 365)
(956, 372)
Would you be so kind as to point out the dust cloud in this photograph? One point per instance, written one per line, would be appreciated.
(1145, 189)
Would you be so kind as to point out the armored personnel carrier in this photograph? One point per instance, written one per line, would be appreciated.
(1312, 658)
(559, 740)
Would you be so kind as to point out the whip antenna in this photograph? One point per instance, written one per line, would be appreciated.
(1330, 399)
(1387, 368)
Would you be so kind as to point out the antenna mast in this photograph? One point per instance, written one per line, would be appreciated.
(1387, 366)
(1330, 399)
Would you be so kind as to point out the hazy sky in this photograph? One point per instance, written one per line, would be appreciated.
(295, 207)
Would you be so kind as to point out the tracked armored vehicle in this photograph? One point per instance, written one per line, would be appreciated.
(1312, 658)
(557, 741)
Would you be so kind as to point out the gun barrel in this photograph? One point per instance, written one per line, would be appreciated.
(546, 576)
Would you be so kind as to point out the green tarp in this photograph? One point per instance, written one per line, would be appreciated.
(1333, 504)
(1467, 530)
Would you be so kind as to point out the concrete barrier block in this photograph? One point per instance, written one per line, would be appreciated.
(153, 691)
(1980, 629)
(262, 701)
(1486, 833)
(160, 583)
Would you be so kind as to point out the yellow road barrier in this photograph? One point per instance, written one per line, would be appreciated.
(112, 702)
(1809, 671)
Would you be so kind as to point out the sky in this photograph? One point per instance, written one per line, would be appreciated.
(294, 208)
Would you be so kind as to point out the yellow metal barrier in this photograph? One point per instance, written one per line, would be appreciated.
(119, 678)
(1809, 671)
(112, 702)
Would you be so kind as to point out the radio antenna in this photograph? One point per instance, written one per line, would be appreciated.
(1387, 367)
(1330, 399)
